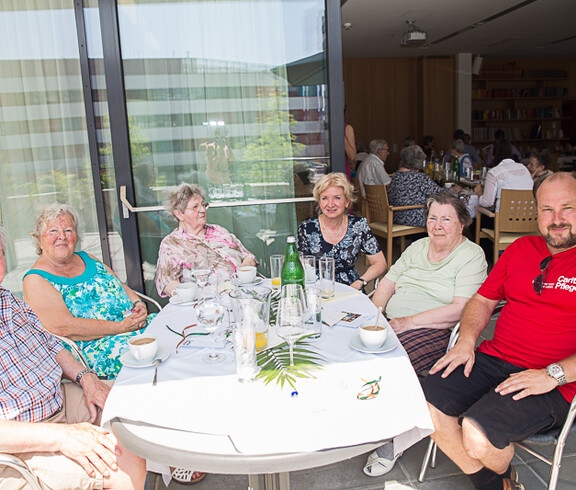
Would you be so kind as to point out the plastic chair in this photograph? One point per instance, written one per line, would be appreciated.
(516, 218)
(380, 216)
(18, 465)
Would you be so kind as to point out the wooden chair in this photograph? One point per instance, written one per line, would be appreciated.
(380, 216)
(516, 218)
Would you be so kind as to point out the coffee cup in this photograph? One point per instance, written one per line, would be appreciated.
(246, 274)
(143, 347)
(448, 185)
(186, 291)
(373, 336)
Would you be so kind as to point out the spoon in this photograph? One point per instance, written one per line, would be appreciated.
(378, 315)
(156, 363)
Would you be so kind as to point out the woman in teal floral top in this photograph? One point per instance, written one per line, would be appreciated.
(77, 296)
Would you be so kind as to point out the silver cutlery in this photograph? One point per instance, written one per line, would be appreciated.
(156, 363)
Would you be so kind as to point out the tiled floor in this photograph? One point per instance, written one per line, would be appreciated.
(348, 475)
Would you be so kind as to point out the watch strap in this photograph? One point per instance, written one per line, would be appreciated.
(83, 373)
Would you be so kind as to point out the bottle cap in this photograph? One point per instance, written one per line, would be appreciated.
(290, 239)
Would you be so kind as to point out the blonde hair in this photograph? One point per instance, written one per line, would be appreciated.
(50, 213)
(334, 179)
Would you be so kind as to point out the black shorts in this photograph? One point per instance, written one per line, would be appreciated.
(500, 418)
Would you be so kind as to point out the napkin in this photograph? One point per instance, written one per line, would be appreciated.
(339, 295)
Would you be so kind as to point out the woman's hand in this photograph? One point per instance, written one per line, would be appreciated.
(402, 324)
(136, 320)
(478, 190)
(357, 285)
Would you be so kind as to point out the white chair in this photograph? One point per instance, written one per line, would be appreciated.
(18, 465)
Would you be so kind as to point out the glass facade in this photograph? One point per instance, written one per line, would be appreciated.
(231, 95)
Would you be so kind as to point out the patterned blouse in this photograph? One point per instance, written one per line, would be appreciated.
(409, 188)
(180, 253)
(99, 295)
(358, 238)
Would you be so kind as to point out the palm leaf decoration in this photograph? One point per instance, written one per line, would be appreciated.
(275, 363)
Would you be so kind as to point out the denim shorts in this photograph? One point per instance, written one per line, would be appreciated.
(500, 418)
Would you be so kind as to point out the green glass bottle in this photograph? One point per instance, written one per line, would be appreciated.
(456, 169)
(292, 270)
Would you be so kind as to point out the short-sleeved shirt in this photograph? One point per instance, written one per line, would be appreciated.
(358, 238)
(29, 374)
(533, 330)
(409, 188)
(180, 253)
(422, 285)
(506, 175)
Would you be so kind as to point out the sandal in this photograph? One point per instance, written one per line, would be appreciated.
(187, 477)
(378, 466)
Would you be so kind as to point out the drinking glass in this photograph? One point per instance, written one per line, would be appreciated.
(276, 262)
(209, 314)
(327, 277)
(245, 350)
(290, 316)
(252, 306)
(201, 277)
(313, 319)
(309, 264)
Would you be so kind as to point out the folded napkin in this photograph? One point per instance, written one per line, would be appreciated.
(339, 295)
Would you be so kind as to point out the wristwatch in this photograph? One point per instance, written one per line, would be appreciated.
(555, 371)
(364, 282)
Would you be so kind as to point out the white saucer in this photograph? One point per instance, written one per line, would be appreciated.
(257, 281)
(389, 345)
(178, 302)
(128, 359)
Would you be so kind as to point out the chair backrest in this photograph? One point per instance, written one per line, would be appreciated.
(517, 211)
(376, 203)
(18, 465)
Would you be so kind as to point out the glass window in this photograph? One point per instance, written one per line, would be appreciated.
(44, 153)
(231, 96)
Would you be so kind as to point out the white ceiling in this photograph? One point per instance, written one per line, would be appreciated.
(532, 28)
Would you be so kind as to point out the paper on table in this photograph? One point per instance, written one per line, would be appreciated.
(330, 318)
(338, 295)
(203, 341)
(354, 320)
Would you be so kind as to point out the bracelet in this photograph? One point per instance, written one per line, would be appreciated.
(138, 301)
(84, 372)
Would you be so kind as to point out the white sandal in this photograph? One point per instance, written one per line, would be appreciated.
(186, 477)
(378, 466)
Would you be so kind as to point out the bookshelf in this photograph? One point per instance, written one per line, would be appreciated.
(526, 103)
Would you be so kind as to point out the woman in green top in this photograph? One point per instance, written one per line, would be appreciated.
(426, 290)
(77, 296)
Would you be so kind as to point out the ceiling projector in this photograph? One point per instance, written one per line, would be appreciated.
(414, 36)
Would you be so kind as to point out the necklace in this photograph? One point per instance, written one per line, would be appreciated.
(333, 233)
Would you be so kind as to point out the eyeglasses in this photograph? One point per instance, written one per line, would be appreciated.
(385, 149)
(196, 207)
(540, 279)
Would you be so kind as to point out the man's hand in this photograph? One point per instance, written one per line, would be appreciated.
(90, 446)
(402, 324)
(95, 394)
(460, 354)
(526, 383)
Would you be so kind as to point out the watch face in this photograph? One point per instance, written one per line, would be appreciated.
(555, 370)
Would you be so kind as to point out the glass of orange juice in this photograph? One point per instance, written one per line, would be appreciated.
(276, 262)
(251, 305)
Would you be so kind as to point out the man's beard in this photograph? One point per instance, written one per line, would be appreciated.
(560, 242)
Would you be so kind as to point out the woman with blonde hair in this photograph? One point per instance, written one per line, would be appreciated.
(335, 233)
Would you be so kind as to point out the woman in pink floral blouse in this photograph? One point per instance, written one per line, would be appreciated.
(196, 244)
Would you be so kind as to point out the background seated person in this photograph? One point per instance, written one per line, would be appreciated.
(410, 186)
(41, 419)
(425, 291)
(77, 296)
(372, 171)
(335, 233)
(465, 164)
(195, 244)
(523, 380)
(459, 134)
(538, 166)
(508, 174)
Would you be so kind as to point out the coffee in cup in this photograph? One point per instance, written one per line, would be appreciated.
(186, 291)
(143, 347)
(373, 336)
(246, 274)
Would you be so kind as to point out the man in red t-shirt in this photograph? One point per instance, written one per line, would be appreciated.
(483, 400)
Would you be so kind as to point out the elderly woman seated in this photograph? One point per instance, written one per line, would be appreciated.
(409, 187)
(426, 290)
(335, 233)
(77, 296)
(195, 244)
(465, 164)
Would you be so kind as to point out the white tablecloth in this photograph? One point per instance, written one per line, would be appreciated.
(265, 419)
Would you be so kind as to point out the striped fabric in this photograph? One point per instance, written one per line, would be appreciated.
(29, 375)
